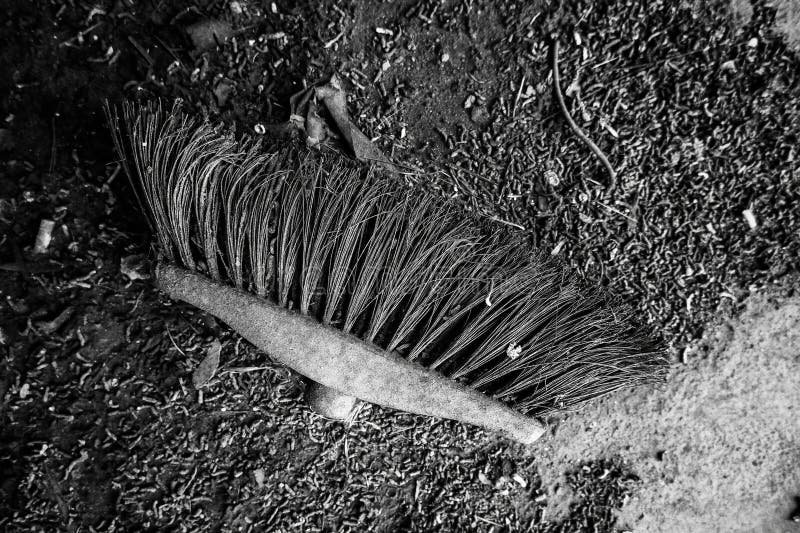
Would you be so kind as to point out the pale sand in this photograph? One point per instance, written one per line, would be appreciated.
(717, 447)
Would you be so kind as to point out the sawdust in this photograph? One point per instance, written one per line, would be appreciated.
(787, 21)
(717, 447)
(787, 18)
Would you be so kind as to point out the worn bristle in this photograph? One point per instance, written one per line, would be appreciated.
(394, 266)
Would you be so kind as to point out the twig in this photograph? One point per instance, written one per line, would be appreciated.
(612, 182)
(487, 521)
(333, 41)
(245, 369)
(507, 223)
(519, 94)
(82, 34)
(141, 50)
(617, 211)
(175, 344)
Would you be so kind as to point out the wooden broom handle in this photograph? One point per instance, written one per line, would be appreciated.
(344, 362)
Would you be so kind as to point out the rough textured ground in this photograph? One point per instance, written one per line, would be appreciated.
(787, 21)
(717, 447)
(100, 426)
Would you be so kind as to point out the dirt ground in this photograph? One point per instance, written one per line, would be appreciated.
(696, 103)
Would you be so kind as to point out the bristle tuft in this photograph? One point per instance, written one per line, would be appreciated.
(398, 268)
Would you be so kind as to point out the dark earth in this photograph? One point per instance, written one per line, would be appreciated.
(696, 104)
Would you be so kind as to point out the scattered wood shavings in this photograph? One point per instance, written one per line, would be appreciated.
(750, 218)
(44, 236)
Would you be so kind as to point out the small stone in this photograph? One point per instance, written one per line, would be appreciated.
(552, 179)
(750, 218)
(135, 267)
(480, 116)
(469, 102)
(260, 476)
(44, 236)
(330, 403)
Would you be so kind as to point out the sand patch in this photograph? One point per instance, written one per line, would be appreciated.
(718, 446)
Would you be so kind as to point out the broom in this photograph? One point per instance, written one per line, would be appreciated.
(372, 289)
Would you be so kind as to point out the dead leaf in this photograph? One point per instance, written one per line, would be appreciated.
(208, 366)
(135, 267)
(363, 148)
(335, 100)
(223, 91)
(207, 33)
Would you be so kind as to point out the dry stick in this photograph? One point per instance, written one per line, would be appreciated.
(612, 174)
(343, 362)
(53, 145)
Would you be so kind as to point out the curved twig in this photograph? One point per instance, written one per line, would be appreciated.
(612, 174)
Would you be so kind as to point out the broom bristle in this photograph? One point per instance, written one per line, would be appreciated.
(396, 267)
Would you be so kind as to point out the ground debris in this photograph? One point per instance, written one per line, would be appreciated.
(702, 126)
(208, 366)
(207, 34)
